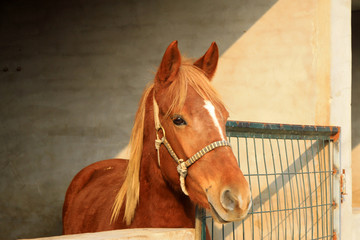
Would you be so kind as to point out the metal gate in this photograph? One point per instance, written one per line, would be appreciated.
(290, 169)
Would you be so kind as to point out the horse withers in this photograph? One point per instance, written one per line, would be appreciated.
(179, 158)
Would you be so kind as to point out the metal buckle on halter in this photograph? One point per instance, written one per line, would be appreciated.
(158, 140)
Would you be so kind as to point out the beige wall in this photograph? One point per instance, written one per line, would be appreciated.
(278, 71)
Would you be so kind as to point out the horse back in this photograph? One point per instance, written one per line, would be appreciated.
(90, 196)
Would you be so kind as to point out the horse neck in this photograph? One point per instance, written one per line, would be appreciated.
(153, 188)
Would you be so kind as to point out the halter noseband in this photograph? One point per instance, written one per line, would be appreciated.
(182, 165)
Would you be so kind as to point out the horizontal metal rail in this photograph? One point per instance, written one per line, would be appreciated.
(288, 131)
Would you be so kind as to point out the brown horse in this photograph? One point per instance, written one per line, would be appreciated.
(180, 122)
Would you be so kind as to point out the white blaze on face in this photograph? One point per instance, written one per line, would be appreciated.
(211, 109)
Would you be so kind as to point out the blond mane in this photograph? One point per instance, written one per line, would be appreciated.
(188, 75)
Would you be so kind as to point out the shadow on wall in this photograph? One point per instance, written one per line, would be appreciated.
(71, 77)
(355, 109)
(355, 100)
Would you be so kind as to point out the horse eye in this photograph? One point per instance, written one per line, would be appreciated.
(179, 121)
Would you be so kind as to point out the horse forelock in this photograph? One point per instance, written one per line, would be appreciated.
(188, 76)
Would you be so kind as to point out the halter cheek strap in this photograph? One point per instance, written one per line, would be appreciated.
(182, 165)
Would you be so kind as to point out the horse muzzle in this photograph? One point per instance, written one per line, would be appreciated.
(229, 205)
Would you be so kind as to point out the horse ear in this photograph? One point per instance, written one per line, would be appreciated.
(169, 65)
(209, 61)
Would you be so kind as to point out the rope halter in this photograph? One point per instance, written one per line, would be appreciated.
(182, 166)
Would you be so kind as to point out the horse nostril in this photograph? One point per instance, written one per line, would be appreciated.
(228, 200)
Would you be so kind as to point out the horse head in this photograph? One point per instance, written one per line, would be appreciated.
(190, 121)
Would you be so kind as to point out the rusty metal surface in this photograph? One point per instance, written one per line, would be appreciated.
(273, 129)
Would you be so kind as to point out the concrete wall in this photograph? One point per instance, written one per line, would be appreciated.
(71, 77)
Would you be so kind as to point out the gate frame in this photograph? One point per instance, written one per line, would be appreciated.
(339, 177)
(340, 105)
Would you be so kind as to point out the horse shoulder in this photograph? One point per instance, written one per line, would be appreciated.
(92, 192)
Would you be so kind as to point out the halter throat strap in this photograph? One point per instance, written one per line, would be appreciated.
(182, 165)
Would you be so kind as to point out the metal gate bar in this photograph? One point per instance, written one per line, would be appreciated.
(290, 172)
